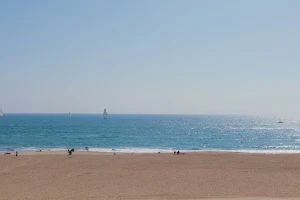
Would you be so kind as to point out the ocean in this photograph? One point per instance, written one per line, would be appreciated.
(148, 133)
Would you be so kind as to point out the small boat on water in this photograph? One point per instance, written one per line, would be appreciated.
(104, 114)
(279, 121)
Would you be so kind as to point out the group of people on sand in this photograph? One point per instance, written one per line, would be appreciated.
(178, 152)
(70, 151)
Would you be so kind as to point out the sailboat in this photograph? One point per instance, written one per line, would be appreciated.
(1, 112)
(70, 115)
(104, 114)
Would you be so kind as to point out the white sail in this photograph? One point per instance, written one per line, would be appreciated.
(1, 113)
(70, 115)
(104, 114)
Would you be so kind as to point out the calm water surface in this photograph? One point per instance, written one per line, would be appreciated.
(148, 133)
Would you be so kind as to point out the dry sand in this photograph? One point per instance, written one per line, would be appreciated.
(91, 176)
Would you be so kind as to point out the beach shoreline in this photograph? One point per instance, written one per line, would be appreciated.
(101, 175)
(112, 152)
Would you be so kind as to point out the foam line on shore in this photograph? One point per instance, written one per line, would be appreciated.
(154, 150)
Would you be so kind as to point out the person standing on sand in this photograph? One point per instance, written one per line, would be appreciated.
(17, 154)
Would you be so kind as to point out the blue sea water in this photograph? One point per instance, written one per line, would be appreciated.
(148, 133)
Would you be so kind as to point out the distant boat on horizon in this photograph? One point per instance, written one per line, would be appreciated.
(280, 121)
(104, 114)
(1, 112)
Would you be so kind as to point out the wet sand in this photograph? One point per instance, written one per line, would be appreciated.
(91, 176)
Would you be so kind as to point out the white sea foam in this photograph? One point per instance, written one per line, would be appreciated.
(156, 150)
(263, 151)
(146, 150)
(131, 150)
(32, 149)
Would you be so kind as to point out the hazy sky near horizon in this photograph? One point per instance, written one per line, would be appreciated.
(154, 56)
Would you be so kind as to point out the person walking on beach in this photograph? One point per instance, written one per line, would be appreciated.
(17, 154)
(70, 152)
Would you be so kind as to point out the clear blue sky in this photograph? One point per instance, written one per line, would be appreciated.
(154, 56)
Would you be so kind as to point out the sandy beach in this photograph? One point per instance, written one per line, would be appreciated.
(91, 176)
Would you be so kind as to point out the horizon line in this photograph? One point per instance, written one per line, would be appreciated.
(87, 113)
